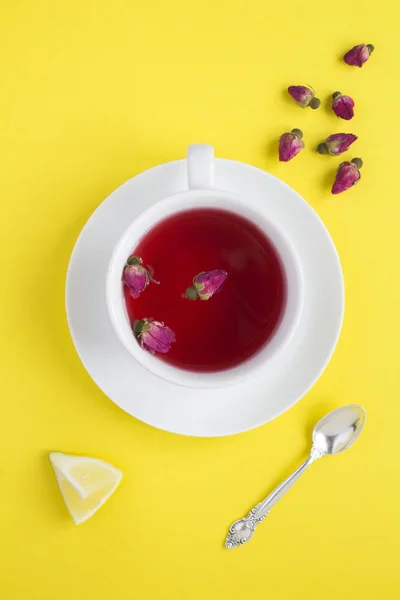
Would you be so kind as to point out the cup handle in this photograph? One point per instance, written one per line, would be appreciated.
(200, 166)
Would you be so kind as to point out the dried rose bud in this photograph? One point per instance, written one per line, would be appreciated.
(304, 96)
(290, 144)
(153, 335)
(343, 106)
(347, 175)
(135, 276)
(337, 143)
(358, 55)
(206, 284)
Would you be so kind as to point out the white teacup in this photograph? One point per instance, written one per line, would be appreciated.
(201, 193)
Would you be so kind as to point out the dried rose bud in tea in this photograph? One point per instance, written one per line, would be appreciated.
(153, 335)
(206, 284)
(135, 276)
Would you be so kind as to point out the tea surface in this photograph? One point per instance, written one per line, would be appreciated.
(241, 317)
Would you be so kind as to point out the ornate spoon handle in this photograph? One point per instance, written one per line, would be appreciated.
(241, 531)
(263, 508)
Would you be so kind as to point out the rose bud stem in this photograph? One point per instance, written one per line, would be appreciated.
(358, 162)
(315, 103)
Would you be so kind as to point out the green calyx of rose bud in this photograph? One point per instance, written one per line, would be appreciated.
(315, 103)
(199, 288)
(204, 296)
(357, 162)
(371, 48)
(297, 132)
(336, 95)
(192, 293)
(322, 148)
(134, 261)
(138, 326)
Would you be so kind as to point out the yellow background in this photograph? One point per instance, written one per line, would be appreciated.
(92, 93)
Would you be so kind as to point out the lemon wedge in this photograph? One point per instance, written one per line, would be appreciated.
(85, 483)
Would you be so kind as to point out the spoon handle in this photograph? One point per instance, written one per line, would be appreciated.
(262, 509)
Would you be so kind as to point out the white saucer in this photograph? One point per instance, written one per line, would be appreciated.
(205, 412)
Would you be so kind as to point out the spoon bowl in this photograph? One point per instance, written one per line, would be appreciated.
(339, 429)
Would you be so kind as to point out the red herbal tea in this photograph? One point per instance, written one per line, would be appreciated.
(237, 321)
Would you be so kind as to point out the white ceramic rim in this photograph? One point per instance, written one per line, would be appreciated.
(177, 203)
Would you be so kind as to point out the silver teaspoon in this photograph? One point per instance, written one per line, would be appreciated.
(335, 432)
